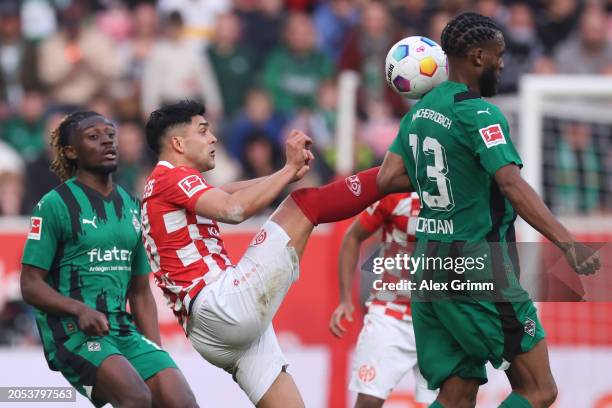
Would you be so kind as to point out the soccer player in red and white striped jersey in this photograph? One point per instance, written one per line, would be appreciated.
(226, 309)
(386, 348)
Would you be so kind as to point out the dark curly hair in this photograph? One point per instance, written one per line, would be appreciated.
(61, 165)
(467, 30)
(169, 116)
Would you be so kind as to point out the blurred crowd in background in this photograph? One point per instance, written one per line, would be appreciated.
(264, 67)
(261, 68)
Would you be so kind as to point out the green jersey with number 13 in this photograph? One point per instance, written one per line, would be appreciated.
(452, 143)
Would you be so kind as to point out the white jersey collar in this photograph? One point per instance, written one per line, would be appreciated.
(165, 164)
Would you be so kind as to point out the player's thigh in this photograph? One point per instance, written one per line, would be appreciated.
(170, 390)
(258, 368)
(291, 219)
(118, 383)
(385, 352)
(434, 339)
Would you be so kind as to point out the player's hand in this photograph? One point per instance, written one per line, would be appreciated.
(582, 258)
(92, 322)
(343, 311)
(297, 150)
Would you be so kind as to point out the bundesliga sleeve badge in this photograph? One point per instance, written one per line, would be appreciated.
(35, 228)
(191, 185)
(492, 135)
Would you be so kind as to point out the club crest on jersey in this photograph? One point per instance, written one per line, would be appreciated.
(191, 184)
(492, 135)
(93, 346)
(354, 184)
(530, 327)
(35, 228)
(261, 237)
(366, 373)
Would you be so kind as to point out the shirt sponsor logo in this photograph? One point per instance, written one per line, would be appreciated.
(35, 228)
(354, 184)
(114, 254)
(192, 184)
(492, 135)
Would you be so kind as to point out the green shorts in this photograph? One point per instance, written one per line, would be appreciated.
(78, 356)
(459, 337)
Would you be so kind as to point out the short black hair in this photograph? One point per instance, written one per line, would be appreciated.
(467, 30)
(166, 117)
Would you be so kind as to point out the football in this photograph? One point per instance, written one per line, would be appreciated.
(414, 66)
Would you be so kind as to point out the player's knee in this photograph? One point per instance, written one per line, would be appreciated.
(368, 401)
(137, 398)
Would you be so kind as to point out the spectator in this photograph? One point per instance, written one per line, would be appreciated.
(11, 183)
(437, 22)
(39, 179)
(380, 129)
(556, 21)
(233, 63)
(18, 59)
(262, 22)
(24, 131)
(258, 115)
(411, 17)
(588, 51)
(294, 71)
(523, 48)
(199, 18)
(261, 156)
(365, 51)
(133, 166)
(175, 71)
(136, 51)
(579, 176)
(333, 20)
(77, 62)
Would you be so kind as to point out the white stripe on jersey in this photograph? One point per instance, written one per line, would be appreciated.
(188, 254)
(175, 220)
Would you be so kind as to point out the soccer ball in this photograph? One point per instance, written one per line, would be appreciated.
(414, 66)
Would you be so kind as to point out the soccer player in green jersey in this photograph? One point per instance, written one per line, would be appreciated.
(82, 260)
(456, 152)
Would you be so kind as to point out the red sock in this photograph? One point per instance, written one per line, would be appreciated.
(339, 200)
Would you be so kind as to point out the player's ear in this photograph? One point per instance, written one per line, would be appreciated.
(476, 56)
(177, 143)
(70, 152)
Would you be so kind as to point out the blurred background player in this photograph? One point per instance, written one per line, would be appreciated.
(467, 172)
(386, 350)
(226, 309)
(83, 259)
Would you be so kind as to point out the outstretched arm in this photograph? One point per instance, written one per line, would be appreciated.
(235, 207)
(347, 264)
(532, 209)
(392, 177)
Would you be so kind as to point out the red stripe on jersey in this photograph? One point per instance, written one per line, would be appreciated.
(185, 251)
(397, 215)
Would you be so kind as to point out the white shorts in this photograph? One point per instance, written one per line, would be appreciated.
(385, 352)
(231, 319)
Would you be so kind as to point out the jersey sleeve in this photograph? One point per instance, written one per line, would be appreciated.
(140, 262)
(184, 187)
(373, 217)
(489, 134)
(45, 232)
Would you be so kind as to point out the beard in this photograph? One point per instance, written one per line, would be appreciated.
(488, 82)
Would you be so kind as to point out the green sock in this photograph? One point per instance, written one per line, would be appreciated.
(436, 404)
(515, 400)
